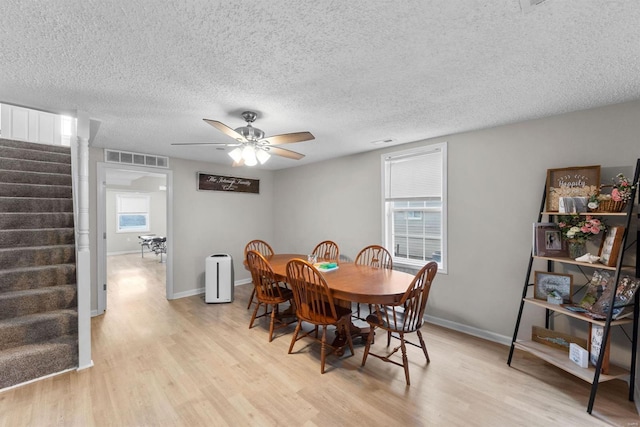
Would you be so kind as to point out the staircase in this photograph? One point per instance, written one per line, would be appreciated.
(38, 295)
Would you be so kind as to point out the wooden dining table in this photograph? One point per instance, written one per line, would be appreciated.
(353, 282)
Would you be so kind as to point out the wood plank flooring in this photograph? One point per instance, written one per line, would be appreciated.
(187, 363)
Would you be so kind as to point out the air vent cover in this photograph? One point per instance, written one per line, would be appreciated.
(129, 158)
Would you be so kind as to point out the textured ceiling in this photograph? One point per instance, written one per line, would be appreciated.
(350, 72)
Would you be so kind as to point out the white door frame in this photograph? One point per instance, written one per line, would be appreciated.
(102, 228)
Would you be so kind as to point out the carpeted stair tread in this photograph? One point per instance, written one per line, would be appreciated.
(37, 327)
(36, 237)
(23, 278)
(37, 255)
(24, 303)
(37, 155)
(34, 166)
(19, 177)
(34, 190)
(28, 362)
(34, 146)
(28, 220)
(35, 204)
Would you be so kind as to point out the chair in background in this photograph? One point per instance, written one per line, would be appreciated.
(262, 248)
(314, 304)
(268, 292)
(373, 256)
(327, 250)
(403, 317)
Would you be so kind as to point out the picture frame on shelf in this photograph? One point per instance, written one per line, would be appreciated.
(578, 181)
(547, 240)
(610, 246)
(596, 337)
(555, 339)
(546, 282)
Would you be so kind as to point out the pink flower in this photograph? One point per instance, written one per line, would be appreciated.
(585, 229)
(595, 229)
(615, 195)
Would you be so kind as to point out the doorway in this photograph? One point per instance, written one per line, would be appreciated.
(133, 201)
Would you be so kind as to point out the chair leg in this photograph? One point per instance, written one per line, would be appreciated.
(323, 349)
(253, 294)
(368, 345)
(388, 338)
(274, 311)
(405, 360)
(295, 335)
(423, 345)
(347, 332)
(358, 310)
(253, 316)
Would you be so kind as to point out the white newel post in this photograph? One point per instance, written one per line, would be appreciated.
(83, 252)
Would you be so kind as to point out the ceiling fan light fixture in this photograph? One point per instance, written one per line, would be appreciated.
(236, 154)
(249, 155)
(262, 156)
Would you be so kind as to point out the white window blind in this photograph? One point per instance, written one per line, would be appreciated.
(415, 205)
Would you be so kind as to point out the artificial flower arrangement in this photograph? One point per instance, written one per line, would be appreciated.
(621, 192)
(580, 228)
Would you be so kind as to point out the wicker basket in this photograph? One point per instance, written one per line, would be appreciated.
(610, 206)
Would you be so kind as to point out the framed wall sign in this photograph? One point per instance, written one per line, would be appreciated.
(210, 182)
(580, 181)
(546, 282)
(610, 247)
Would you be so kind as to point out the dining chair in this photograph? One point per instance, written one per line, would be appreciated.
(373, 256)
(263, 248)
(268, 292)
(403, 317)
(314, 304)
(327, 250)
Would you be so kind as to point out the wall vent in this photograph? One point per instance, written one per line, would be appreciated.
(129, 158)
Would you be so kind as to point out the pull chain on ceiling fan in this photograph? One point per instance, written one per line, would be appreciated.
(252, 146)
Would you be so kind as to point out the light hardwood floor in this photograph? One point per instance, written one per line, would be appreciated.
(187, 363)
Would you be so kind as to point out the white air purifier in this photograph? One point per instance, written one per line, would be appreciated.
(218, 278)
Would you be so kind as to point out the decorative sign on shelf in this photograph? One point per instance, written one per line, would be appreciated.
(211, 182)
(581, 181)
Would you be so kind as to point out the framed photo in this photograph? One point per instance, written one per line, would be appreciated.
(596, 335)
(610, 246)
(546, 282)
(580, 181)
(547, 240)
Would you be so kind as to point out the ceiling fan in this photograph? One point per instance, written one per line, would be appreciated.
(251, 144)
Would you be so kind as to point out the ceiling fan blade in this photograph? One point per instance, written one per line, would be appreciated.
(226, 130)
(285, 153)
(220, 144)
(288, 138)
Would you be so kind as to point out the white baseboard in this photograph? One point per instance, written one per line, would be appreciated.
(123, 253)
(188, 293)
(469, 330)
(200, 291)
(90, 365)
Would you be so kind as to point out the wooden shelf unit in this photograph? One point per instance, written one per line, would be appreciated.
(559, 357)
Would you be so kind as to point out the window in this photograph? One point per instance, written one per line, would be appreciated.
(415, 205)
(132, 212)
